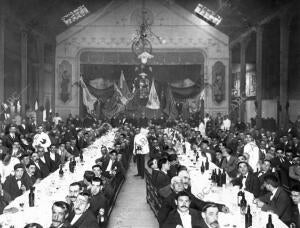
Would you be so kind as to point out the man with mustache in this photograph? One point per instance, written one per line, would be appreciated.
(183, 216)
(210, 216)
(59, 215)
(74, 190)
(84, 217)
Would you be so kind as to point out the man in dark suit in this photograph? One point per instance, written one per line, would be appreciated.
(183, 215)
(219, 158)
(99, 203)
(29, 175)
(60, 212)
(277, 200)
(15, 185)
(163, 178)
(10, 138)
(112, 167)
(53, 157)
(295, 195)
(23, 127)
(74, 189)
(43, 162)
(152, 164)
(282, 166)
(3, 149)
(247, 180)
(83, 218)
(266, 169)
(229, 162)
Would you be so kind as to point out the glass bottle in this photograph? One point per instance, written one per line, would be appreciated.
(270, 223)
(248, 218)
(31, 197)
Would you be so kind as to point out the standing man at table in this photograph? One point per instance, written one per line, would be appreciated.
(252, 152)
(140, 149)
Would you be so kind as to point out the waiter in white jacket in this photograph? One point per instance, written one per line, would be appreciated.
(251, 150)
(140, 149)
(41, 139)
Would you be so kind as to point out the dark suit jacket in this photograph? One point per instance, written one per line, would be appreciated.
(154, 176)
(174, 219)
(218, 163)
(295, 215)
(74, 151)
(98, 202)
(169, 204)
(162, 180)
(230, 166)
(28, 181)
(11, 187)
(252, 184)
(281, 204)
(8, 141)
(53, 164)
(282, 170)
(44, 167)
(86, 220)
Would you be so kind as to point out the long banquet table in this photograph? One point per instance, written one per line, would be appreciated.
(51, 189)
(203, 188)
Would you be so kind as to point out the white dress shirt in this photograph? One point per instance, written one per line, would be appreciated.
(76, 217)
(244, 181)
(108, 169)
(186, 219)
(273, 193)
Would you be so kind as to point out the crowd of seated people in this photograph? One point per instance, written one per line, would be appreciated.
(265, 163)
(29, 153)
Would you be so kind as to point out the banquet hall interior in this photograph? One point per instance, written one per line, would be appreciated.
(150, 113)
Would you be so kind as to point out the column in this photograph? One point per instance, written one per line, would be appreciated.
(2, 47)
(41, 67)
(284, 52)
(230, 83)
(259, 39)
(244, 44)
(24, 79)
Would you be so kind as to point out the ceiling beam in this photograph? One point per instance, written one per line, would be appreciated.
(264, 21)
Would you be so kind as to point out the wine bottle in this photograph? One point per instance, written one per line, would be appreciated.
(206, 164)
(202, 168)
(61, 172)
(270, 224)
(184, 149)
(248, 218)
(81, 156)
(239, 197)
(31, 197)
(243, 204)
(212, 176)
(219, 179)
(197, 156)
(223, 177)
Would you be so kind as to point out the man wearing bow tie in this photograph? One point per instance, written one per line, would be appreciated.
(14, 184)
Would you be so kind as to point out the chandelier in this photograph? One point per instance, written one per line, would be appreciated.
(141, 41)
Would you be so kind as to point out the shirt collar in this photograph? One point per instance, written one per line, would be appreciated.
(274, 192)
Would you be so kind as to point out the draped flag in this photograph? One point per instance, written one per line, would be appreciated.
(115, 104)
(87, 97)
(153, 101)
(195, 102)
(170, 108)
(123, 87)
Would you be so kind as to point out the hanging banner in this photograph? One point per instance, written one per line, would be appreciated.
(153, 101)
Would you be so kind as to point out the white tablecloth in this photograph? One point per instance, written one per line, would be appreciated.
(53, 188)
(202, 187)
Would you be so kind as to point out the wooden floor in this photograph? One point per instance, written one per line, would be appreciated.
(131, 209)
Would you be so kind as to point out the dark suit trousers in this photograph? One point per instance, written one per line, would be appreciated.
(140, 163)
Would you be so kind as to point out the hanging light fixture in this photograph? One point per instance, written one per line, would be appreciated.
(208, 15)
(141, 40)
